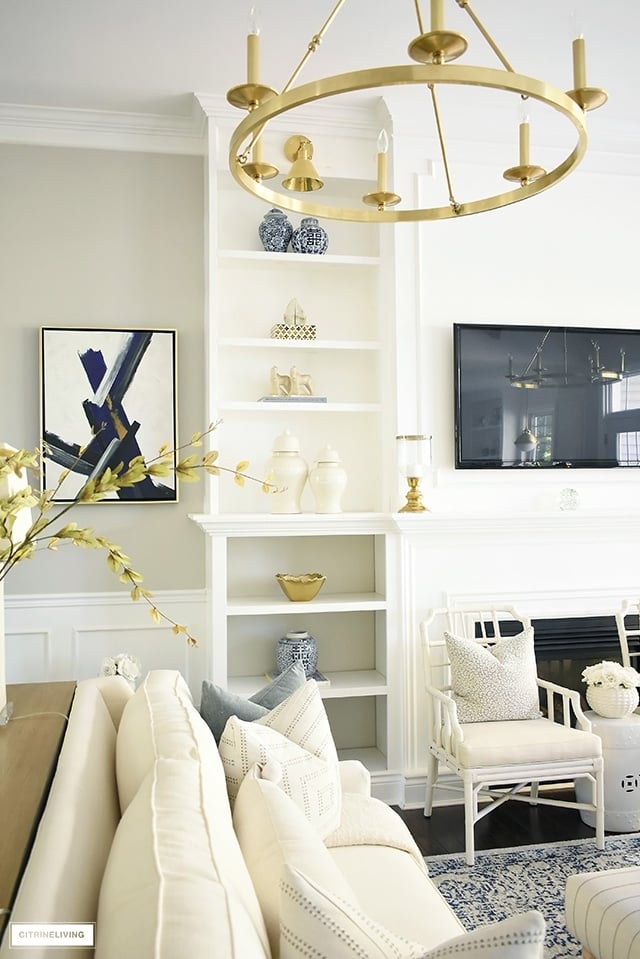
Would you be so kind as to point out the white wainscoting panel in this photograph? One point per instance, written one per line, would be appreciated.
(58, 637)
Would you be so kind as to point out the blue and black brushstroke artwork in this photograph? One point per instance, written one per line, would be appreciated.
(114, 436)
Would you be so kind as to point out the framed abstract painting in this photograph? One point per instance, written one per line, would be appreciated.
(106, 396)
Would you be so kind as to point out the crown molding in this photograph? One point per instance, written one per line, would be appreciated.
(102, 130)
(359, 118)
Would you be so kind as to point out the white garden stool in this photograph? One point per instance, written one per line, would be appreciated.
(621, 757)
(602, 911)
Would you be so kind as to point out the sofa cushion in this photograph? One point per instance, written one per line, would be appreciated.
(492, 683)
(394, 888)
(316, 922)
(296, 734)
(175, 883)
(272, 832)
(160, 721)
(218, 704)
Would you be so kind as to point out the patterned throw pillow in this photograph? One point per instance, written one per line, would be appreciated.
(493, 683)
(217, 704)
(315, 922)
(296, 736)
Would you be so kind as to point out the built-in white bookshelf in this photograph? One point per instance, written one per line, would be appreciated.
(354, 617)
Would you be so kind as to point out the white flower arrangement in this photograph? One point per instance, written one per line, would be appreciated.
(611, 675)
(121, 665)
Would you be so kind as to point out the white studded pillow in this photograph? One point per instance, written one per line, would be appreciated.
(494, 683)
(315, 922)
(296, 734)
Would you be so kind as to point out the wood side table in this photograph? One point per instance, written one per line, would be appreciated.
(29, 747)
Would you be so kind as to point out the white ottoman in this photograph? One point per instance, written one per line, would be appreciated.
(621, 759)
(602, 910)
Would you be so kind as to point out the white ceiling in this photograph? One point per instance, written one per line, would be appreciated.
(149, 56)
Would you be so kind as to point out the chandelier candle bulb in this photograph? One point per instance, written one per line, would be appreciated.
(579, 64)
(383, 147)
(525, 130)
(253, 49)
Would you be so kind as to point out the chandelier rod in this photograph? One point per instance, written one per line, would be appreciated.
(537, 352)
(455, 206)
(419, 16)
(313, 45)
(464, 5)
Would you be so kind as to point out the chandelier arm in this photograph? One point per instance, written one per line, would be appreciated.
(419, 16)
(244, 156)
(464, 4)
(455, 206)
(313, 45)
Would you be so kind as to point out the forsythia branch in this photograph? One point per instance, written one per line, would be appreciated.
(18, 544)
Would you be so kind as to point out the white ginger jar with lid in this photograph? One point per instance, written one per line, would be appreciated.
(328, 480)
(288, 471)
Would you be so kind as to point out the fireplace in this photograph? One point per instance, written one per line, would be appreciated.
(565, 645)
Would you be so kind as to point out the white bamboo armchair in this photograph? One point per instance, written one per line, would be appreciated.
(521, 753)
(626, 632)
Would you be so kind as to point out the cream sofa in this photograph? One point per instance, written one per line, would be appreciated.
(138, 835)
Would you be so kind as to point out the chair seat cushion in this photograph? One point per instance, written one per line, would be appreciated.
(525, 741)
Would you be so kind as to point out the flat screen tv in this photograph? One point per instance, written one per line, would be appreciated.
(546, 397)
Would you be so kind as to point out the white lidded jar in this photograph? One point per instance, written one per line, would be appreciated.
(288, 471)
(328, 480)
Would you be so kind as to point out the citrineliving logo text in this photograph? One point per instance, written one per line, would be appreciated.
(52, 934)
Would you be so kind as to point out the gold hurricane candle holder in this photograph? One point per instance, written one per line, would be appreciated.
(414, 458)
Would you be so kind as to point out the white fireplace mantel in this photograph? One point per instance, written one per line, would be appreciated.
(598, 526)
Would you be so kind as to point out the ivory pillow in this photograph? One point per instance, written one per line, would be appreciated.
(318, 923)
(493, 683)
(273, 832)
(296, 734)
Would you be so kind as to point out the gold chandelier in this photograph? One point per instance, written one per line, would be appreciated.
(433, 51)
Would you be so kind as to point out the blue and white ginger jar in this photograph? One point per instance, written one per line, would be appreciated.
(275, 231)
(297, 646)
(310, 237)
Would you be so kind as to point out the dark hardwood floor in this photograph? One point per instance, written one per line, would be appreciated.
(513, 824)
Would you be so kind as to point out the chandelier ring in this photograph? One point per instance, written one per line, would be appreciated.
(408, 74)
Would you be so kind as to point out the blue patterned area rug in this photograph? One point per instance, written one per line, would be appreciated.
(506, 881)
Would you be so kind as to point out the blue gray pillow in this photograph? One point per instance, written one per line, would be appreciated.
(217, 704)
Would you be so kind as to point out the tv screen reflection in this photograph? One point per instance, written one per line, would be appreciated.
(540, 397)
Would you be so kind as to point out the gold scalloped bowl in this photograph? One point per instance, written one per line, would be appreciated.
(300, 589)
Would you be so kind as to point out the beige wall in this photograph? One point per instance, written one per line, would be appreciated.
(103, 239)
